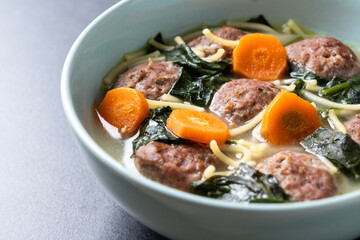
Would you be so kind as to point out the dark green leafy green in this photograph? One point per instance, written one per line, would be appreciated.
(337, 90)
(299, 85)
(344, 92)
(339, 148)
(158, 38)
(323, 114)
(231, 142)
(184, 56)
(245, 185)
(199, 79)
(198, 90)
(260, 19)
(301, 73)
(154, 128)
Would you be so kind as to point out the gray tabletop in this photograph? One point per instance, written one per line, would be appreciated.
(46, 189)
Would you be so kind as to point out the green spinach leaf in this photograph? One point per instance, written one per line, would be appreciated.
(260, 19)
(231, 142)
(337, 90)
(158, 38)
(154, 128)
(299, 85)
(344, 92)
(199, 79)
(184, 56)
(245, 185)
(198, 90)
(339, 148)
(323, 113)
(301, 73)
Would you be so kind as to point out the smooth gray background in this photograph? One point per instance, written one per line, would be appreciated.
(46, 189)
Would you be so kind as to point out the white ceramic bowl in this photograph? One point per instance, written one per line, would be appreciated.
(178, 215)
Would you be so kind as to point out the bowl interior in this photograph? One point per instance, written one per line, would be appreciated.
(128, 25)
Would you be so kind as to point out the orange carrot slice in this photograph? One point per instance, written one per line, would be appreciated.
(259, 56)
(124, 108)
(289, 119)
(197, 126)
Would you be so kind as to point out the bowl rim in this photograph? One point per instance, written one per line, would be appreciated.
(105, 158)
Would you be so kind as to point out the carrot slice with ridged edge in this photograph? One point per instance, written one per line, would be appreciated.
(197, 126)
(289, 119)
(124, 108)
(259, 56)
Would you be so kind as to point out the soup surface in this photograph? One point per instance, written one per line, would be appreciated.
(243, 112)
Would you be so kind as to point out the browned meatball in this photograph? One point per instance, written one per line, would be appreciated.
(152, 79)
(325, 57)
(302, 176)
(175, 165)
(240, 100)
(353, 128)
(210, 47)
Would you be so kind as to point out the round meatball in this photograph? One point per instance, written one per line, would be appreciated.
(302, 176)
(175, 165)
(152, 79)
(240, 100)
(325, 57)
(210, 47)
(353, 128)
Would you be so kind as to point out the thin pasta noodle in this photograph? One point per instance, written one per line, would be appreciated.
(249, 25)
(311, 85)
(330, 166)
(221, 41)
(289, 88)
(291, 24)
(283, 81)
(251, 163)
(249, 149)
(248, 126)
(198, 48)
(246, 153)
(170, 98)
(156, 59)
(220, 52)
(208, 172)
(212, 173)
(179, 40)
(337, 124)
(173, 105)
(198, 52)
(223, 173)
(257, 149)
(160, 46)
(221, 156)
(328, 103)
(136, 54)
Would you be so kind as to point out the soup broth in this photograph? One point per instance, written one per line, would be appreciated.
(248, 146)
